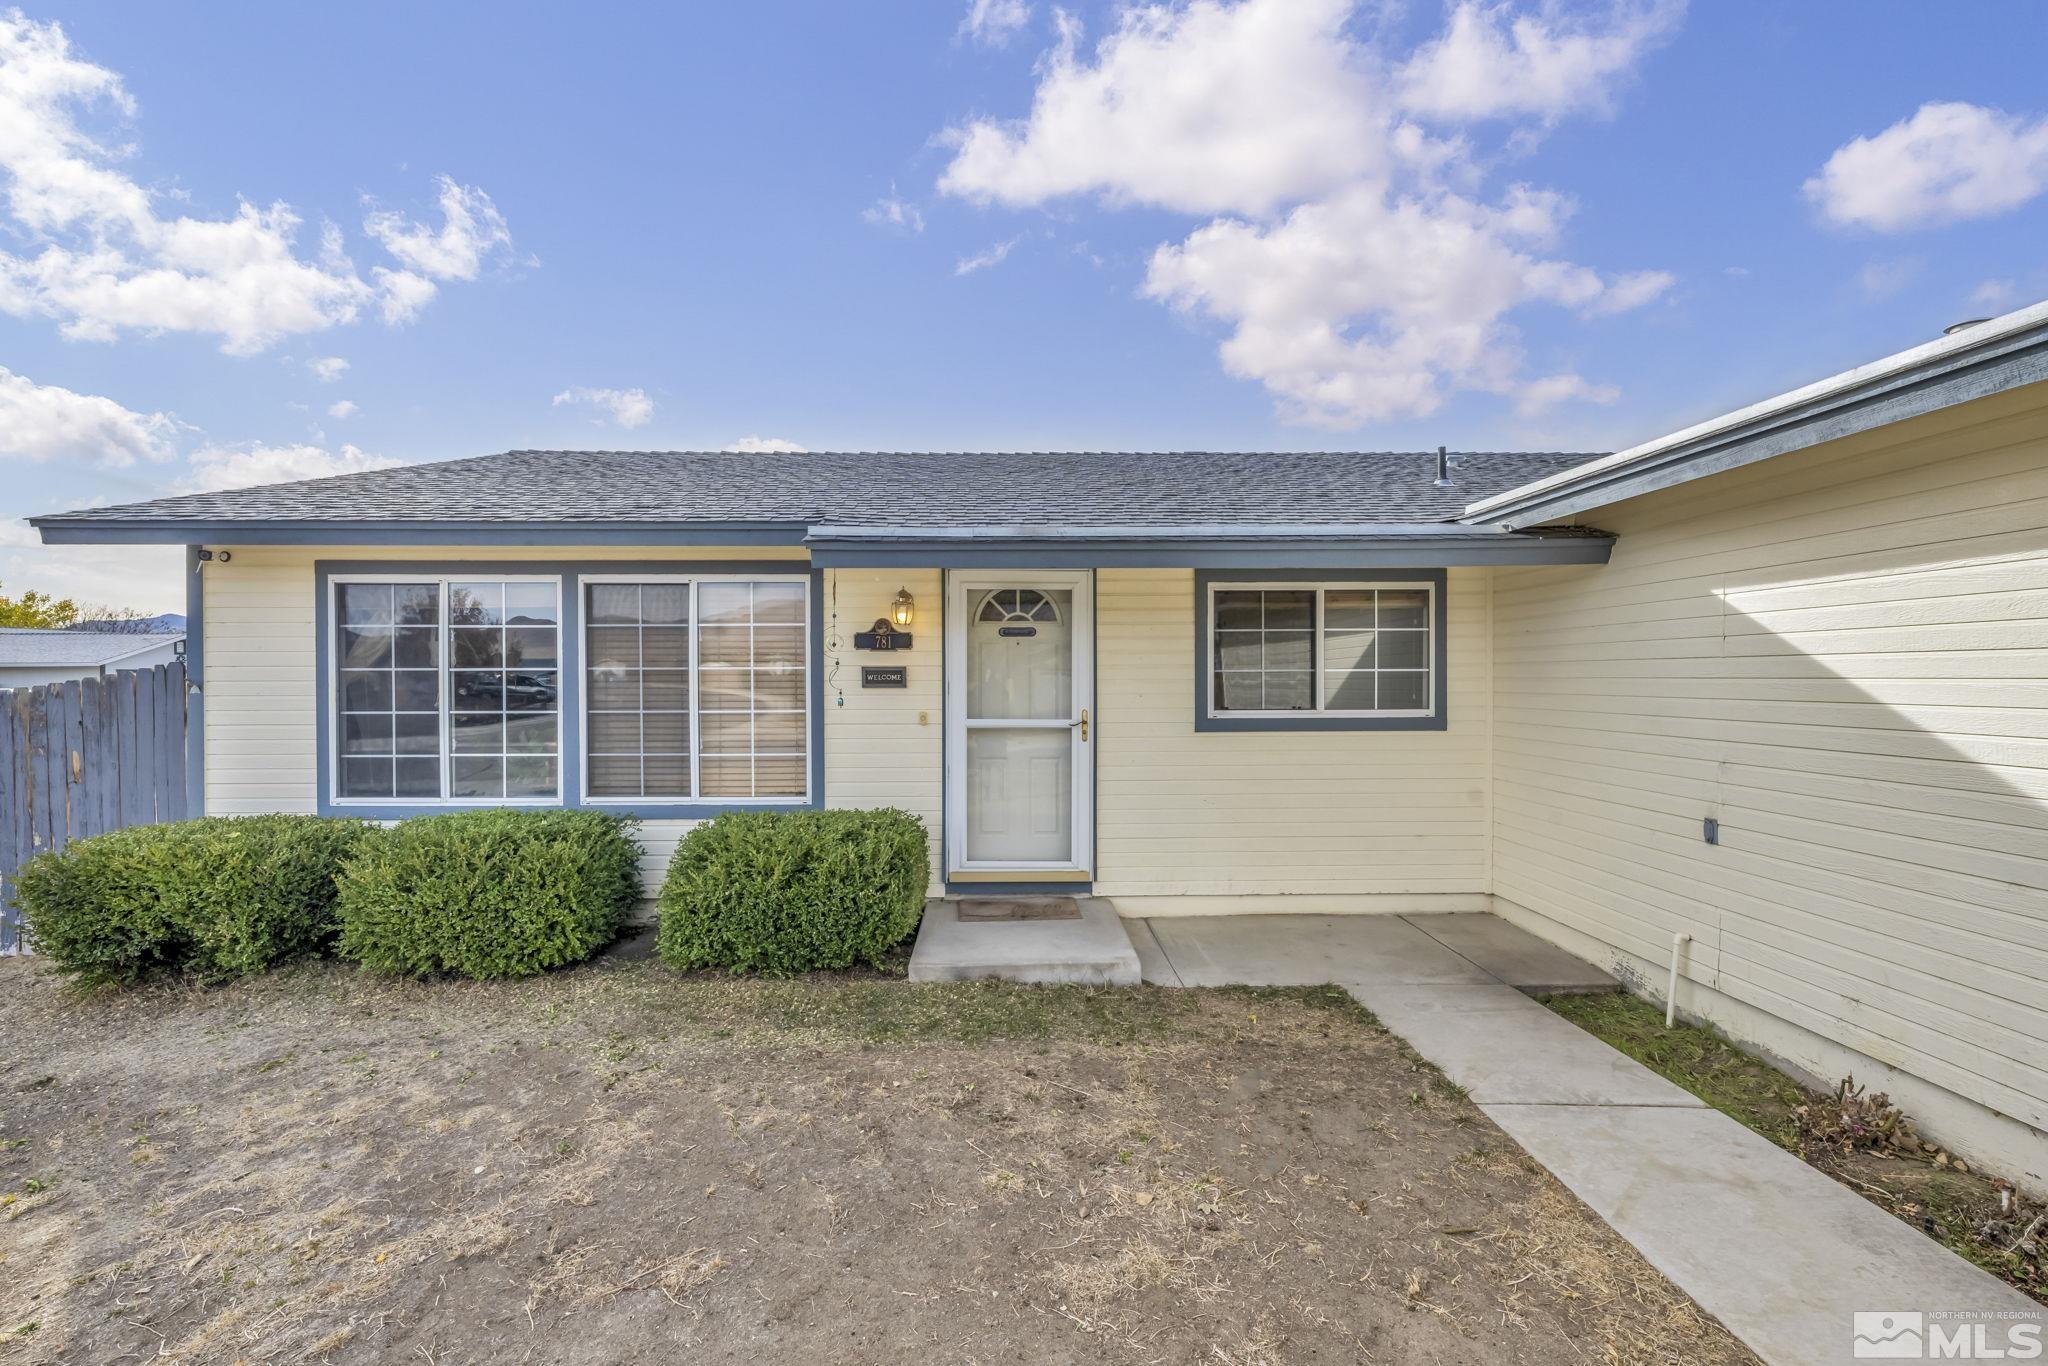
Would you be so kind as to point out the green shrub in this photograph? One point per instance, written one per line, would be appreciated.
(792, 891)
(499, 893)
(225, 896)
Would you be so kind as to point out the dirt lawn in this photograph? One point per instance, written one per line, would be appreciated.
(619, 1163)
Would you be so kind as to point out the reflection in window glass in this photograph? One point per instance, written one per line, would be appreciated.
(732, 709)
(1345, 649)
(472, 666)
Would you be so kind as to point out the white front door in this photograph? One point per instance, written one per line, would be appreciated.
(1020, 675)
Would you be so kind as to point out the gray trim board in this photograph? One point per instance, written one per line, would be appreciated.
(195, 684)
(166, 531)
(571, 670)
(1393, 551)
(1439, 654)
(1968, 366)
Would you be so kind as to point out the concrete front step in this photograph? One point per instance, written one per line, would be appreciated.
(1093, 950)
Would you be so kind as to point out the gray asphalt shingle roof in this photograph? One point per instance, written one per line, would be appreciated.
(25, 645)
(925, 490)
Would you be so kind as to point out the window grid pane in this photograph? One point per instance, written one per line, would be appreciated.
(1266, 649)
(1377, 650)
(388, 690)
(1369, 649)
(638, 699)
(753, 690)
(448, 690)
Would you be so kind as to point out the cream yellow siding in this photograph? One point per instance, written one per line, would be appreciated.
(258, 657)
(1279, 820)
(885, 746)
(1840, 656)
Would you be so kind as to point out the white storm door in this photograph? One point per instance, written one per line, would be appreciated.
(1020, 679)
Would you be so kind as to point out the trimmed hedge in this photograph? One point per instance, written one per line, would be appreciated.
(224, 896)
(497, 893)
(784, 892)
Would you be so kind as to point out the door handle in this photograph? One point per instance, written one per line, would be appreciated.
(1082, 723)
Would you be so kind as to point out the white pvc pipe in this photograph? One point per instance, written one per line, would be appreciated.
(1678, 943)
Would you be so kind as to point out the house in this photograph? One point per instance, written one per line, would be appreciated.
(1777, 682)
(32, 655)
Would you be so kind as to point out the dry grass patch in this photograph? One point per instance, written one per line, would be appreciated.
(620, 1163)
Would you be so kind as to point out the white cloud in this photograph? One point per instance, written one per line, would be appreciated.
(625, 407)
(100, 260)
(44, 422)
(241, 466)
(342, 408)
(982, 260)
(1997, 294)
(756, 445)
(891, 212)
(1206, 108)
(1361, 272)
(1491, 62)
(1948, 162)
(148, 578)
(471, 228)
(992, 23)
(327, 369)
(1356, 308)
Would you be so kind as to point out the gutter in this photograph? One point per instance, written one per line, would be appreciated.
(1223, 546)
(1989, 358)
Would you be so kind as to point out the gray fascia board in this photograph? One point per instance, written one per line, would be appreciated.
(1995, 357)
(156, 531)
(1404, 551)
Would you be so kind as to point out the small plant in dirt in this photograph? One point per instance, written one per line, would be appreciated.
(1849, 1119)
(224, 896)
(784, 892)
(483, 894)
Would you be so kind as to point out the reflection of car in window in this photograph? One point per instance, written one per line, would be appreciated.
(526, 692)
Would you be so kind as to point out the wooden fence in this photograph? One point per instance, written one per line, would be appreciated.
(84, 756)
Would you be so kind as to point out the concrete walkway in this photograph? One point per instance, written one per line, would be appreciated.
(1781, 1254)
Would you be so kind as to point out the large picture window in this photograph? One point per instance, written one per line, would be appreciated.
(1338, 650)
(447, 689)
(697, 689)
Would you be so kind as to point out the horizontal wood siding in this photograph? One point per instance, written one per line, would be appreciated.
(1840, 656)
(885, 746)
(1351, 814)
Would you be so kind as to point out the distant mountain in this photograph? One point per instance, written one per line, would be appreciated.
(163, 624)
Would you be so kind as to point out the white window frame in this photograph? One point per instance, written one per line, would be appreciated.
(445, 657)
(697, 797)
(1321, 587)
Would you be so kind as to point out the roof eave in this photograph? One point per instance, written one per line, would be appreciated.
(89, 530)
(1411, 546)
(2006, 353)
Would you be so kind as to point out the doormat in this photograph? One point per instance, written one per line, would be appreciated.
(1018, 908)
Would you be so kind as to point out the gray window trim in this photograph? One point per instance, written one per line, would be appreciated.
(571, 574)
(1207, 580)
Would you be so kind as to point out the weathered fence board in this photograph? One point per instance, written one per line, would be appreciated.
(83, 757)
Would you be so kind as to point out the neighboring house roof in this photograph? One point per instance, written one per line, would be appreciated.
(35, 647)
(925, 490)
(1975, 361)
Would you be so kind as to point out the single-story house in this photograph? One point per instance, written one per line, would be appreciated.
(1778, 682)
(30, 655)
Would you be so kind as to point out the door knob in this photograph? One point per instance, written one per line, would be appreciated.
(1082, 723)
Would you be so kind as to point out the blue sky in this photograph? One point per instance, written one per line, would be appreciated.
(974, 225)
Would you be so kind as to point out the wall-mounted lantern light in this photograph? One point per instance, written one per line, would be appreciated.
(890, 633)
